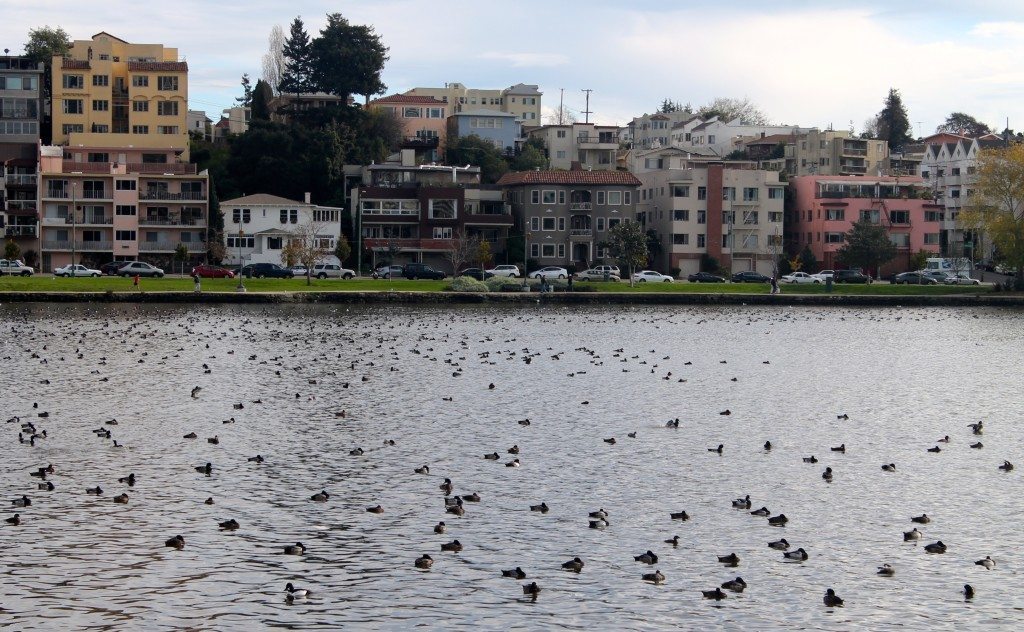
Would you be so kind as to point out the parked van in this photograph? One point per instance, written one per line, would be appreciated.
(958, 265)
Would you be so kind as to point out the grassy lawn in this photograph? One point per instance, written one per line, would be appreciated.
(758, 288)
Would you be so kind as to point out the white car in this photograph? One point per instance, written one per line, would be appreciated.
(77, 270)
(799, 277)
(825, 275)
(15, 267)
(961, 279)
(509, 271)
(596, 274)
(332, 270)
(644, 276)
(550, 272)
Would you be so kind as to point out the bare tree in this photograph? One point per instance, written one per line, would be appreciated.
(310, 243)
(273, 60)
(463, 248)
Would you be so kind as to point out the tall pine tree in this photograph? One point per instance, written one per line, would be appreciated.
(892, 123)
(298, 61)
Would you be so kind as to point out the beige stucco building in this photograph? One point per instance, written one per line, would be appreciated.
(835, 153)
(522, 100)
(586, 144)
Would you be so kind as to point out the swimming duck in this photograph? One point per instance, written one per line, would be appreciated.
(680, 515)
(978, 445)
(968, 591)
(631, 435)
(600, 513)
(767, 445)
(296, 593)
(779, 545)
(256, 459)
(735, 585)
(424, 561)
(935, 449)
(977, 428)
(320, 497)
(647, 558)
(715, 594)
(205, 469)
(763, 512)
(656, 577)
(725, 412)
(832, 600)
(943, 439)
(456, 509)
(423, 470)
(742, 503)
(889, 467)
(718, 449)
(542, 507)
(47, 486)
(514, 449)
(731, 559)
(295, 549)
(909, 536)
(130, 479)
(531, 589)
(40, 473)
(355, 452)
(988, 562)
(493, 456)
(177, 542)
(190, 435)
(827, 474)
(575, 565)
(229, 525)
(14, 520)
(523, 422)
(1006, 466)
(24, 501)
(516, 573)
(922, 519)
(886, 570)
(810, 459)
(377, 509)
(840, 448)
(121, 499)
(610, 441)
(513, 463)
(214, 440)
(672, 423)
(600, 523)
(844, 416)
(471, 498)
(674, 540)
(798, 555)
(778, 521)
(208, 501)
(935, 547)
(454, 546)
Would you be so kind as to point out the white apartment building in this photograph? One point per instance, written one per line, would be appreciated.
(652, 131)
(720, 138)
(257, 227)
(589, 145)
(729, 210)
(523, 100)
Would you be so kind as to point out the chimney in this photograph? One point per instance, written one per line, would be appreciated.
(306, 198)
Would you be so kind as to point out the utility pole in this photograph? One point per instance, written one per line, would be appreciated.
(561, 103)
(587, 111)
(74, 222)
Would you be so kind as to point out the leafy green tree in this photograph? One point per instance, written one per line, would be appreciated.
(348, 59)
(964, 125)
(919, 259)
(342, 249)
(998, 208)
(893, 123)
(261, 96)
(867, 246)
(627, 243)
(529, 158)
(728, 109)
(11, 250)
(246, 99)
(45, 43)
(215, 248)
(808, 260)
(668, 106)
(654, 247)
(181, 256)
(474, 150)
(297, 76)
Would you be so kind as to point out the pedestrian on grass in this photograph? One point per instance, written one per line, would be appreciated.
(135, 281)
(775, 285)
(195, 279)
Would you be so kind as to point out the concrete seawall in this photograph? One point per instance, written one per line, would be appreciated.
(461, 298)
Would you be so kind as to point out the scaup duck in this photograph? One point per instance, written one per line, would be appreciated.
(742, 503)
(295, 549)
(922, 519)
(297, 593)
(542, 507)
(320, 497)
(424, 561)
(229, 525)
(647, 558)
(909, 536)
(376, 509)
(121, 499)
(575, 565)
(440, 527)
(778, 521)
(516, 573)
(735, 585)
(798, 555)
(177, 542)
(680, 515)
(886, 570)
(715, 594)
(988, 562)
(454, 546)
(731, 559)
(779, 545)
(832, 600)
(656, 577)
(935, 547)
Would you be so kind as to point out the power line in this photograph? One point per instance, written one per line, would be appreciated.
(587, 111)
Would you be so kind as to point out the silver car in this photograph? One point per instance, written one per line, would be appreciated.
(332, 270)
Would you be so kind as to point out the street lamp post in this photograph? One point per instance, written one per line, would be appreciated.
(241, 237)
(74, 221)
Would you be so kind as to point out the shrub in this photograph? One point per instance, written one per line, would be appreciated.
(467, 284)
(503, 284)
(675, 272)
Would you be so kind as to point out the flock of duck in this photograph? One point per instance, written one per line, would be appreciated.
(453, 507)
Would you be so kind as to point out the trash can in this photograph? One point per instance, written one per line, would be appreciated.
(828, 284)
(607, 275)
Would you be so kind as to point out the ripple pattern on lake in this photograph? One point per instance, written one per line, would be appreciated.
(906, 377)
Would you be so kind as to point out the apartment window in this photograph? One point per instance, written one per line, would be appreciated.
(435, 112)
(167, 83)
(726, 240)
(561, 251)
(749, 242)
(140, 81)
(749, 194)
(561, 197)
(535, 196)
(548, 250)
(933, 216)
(954, 193)
(154, 159)
(140, 129)
(98, 128)
(931, 239)
(548, 197)
(900, 240)
(534, 223)
(412, 112)
(750, 217)
(681, 239)
(96, 156)
(167, 108)
(955, 171)
(729, 193)
(774, 216)
(442, 232)
(240, 215)
(72, 128)
(600, 197)
(100, 105)
(835, 214)
(140, 106)
(702, 217)
(125, 209)
(682, 215)
(925, 174)
(728, 217)
(701, 241)
(560, 154)
(548, 223)
(899, 217)
(237, 241)
(100, 80)
(702, 193)
(971, 170)
(324, 216)
(613, 222)
(560, 133)
(275, 243)
(534, 250)
(600, 224)
(615, 198)
(124, 235)
(293, 216)
(871, 216)
(124, 185)
(679, 190)
(443, 209)
(834, 238)
(73, 106)
(73, 82)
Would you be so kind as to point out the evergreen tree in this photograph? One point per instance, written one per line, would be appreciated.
(473, 150)
(893, 123)
(808, 262)
(964, 125)
(43, 45)
(866, 246)
(246, 99)
(261, 96)
(348, 59)
(298, 61)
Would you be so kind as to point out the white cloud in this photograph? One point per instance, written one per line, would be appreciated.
(528, 60)
(998, 29)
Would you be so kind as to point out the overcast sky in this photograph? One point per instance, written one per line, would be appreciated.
(807, 62)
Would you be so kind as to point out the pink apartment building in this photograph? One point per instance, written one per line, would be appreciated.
(823, 208)
(423, 118)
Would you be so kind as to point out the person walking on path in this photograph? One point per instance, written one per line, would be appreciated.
(135, 282)
(775, 285)
(195, 279)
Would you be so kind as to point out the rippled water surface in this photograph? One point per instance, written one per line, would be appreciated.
(421, 377)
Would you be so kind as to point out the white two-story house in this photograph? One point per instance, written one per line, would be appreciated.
(258, 227)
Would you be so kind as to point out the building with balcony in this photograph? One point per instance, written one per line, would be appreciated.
(589, 145)
(110, 93)
(719, 137)
(705, 207)
(832, 152)
(658, 130)
(21, 116)
(823, 209)
(412, 212)
(109, 204)
(523, 101)
(498, 128)
(258, 227)
(424, 120)
(565, 215)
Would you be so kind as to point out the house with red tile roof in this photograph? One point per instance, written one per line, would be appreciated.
(423, 118)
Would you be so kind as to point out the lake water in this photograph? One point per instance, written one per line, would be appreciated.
(420, 377)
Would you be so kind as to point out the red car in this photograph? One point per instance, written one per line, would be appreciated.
(213, 272)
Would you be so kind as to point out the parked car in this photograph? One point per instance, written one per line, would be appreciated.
(332, 270)
(799, 277)
(422, 271)
(594, 274)
(213, 272)
(263, 270)
(1002, 268)
(750, 276)
(645, 276)
(961, 279)
(15, 267)
(298, 271)
(140, 268)
(389, 272)
(476, 273)
(509, 271)
(550, 272)
(77, 270)
(825, 275)
(609, 269)
(705, 277)
(938, 275)
(850, 276)
(112, 267)
(913, 277)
